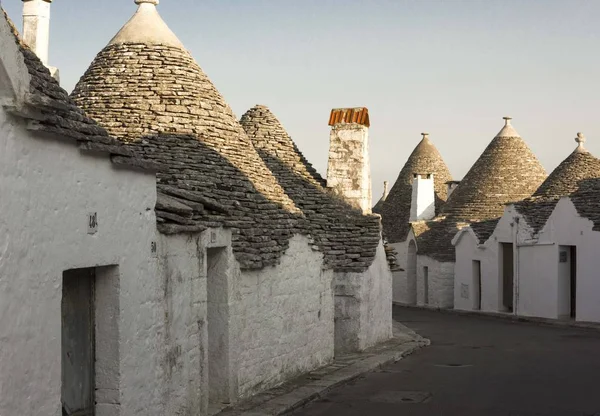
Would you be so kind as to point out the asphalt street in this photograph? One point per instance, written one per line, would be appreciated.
(478, 366)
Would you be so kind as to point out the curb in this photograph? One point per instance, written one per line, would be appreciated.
(506, 317)
(287, 403)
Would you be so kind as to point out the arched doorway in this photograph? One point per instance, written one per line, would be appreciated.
(411, 273)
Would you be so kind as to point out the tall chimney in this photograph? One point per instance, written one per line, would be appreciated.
(422, 203)
(348, 170)
(36, 29)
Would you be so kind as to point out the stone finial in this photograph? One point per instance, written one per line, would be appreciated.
(580, 139)
(507, 120)
(154, 2)
(385, 190)
(425, 135)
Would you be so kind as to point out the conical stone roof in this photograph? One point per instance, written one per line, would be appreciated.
(348, 239)
(395, 211)
(148, 91)
(579, 167)
(507, 171)
(564, 180)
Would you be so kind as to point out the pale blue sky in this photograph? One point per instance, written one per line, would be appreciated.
(452, 68)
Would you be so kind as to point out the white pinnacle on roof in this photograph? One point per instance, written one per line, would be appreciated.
(147, 27)
(580, 139)
(508, 130)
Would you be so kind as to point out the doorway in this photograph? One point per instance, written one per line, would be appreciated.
(476, 285)
(218, 328)
(411, 273)
(426, 285)
(77, 342)
(507, 276)
(567, 282)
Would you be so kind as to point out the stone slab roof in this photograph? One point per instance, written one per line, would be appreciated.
(348, 239)
(484, 229)
(565, 180)
(587, 200)
(434, 238)
(507, 171)
(156, 98)
(395, 211)
(50, 110)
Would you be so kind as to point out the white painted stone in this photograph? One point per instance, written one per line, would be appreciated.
(14, 78)
(147, 27)
(363, 303)
(43, 232)
(400, 284)
(348, 170)
(537, 290)
(422, 204)
(283, 317)
(439, 282)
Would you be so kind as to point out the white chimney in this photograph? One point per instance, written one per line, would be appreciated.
(348, 169)
(36, 29)
(422, 204)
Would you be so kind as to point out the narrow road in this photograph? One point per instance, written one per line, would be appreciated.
(478, 366)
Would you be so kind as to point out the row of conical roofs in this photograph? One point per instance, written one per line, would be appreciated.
(149, 92)
(506, 172)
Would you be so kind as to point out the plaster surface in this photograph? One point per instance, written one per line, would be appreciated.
(537, 290)
(43, 232)
(284, 318)
(422, 203)
(363, 306)
(400, 288)
(440, 282)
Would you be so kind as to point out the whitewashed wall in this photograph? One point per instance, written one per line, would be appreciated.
(566, 228)
(284, 318)
(537, 266)
(363, 306)
(468, 250)
(441, 282)
(48, 189)
(399, 282)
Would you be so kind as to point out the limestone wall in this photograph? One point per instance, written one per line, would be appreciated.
(48, 189)
(363, 306)
(400, 284)
(440, 282)
(283, 317)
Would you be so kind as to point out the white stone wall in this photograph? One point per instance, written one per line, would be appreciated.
(440, 282)
(468, 250)
(48, 189)
(283, 317)
(348, 170)
(363, 303)
(536, 289)
(400, 285)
